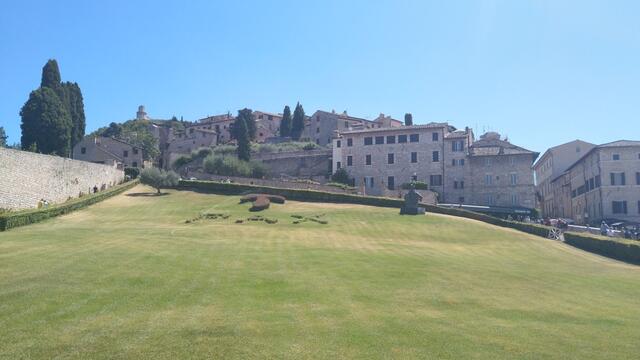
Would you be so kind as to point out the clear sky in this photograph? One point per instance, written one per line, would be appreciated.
(541, 72)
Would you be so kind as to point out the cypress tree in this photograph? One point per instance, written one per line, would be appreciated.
(242, 137)
(51, 76)
(75, 105)
(3, 137)
(408, 119)
(285, 124)
(297, 125)
(46, 123)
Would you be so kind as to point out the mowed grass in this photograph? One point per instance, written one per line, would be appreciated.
(127, 278)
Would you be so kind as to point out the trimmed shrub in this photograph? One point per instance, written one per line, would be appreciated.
(261, 203)
(159, 178)
(181, 161)
(419, 185)
(341, 176)
(132, 172)
(619, 249)
(232, 166)
(11, 220)
(224, 150)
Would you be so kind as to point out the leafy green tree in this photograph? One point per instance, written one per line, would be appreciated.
(158, 178)
(51, 76)
(135, 132)
(297, 125)
(341, 176)
(242, 137)
(245, 115)
(285, 124)
(114, 130)
(46, 123)
(3, 137)
(408, 119)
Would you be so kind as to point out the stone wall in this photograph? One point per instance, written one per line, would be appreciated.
(26, 178)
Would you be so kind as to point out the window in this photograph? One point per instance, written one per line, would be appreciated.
(454, 162)
(638, 178)
(125, 153)
(349, 160)
(338, 165)
(514, 200)
(379, 140)
(619, 207)
(592, 184)
(402, 139)
(514, 179)
(83, 150)
(349, 142)
(368, 141)
(270, 117)
(488, 179)
(317, 130)
(338, 143)
(435, 180)
(390, 159)
(414, 157)
(617, 179)
(134, 164)
(367, 160)
(435, 136)
(598, 181)
(346, 124)
(487, 161)
(458, 184)
(435, 156)
(461, 162)
(457, 146)
(414, 137)
(391, 139)
(135, 151)
(616, 156)
(391, 183)
(489, 200)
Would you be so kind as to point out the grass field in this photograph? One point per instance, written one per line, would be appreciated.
(128, 278)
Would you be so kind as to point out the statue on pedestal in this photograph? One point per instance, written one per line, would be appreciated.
(411, 201)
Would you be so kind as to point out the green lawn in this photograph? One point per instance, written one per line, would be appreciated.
(127, 278)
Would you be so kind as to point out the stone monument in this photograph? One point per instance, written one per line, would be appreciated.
(411, 202)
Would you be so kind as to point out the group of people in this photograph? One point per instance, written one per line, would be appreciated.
(627, 232)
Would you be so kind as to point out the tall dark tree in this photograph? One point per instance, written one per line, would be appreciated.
(245, 115)
(72, 96)
(408, 119)
(3, 137)
(46, 123)
(242, 137)
(297, 125)
(285, 124)
(51, 76)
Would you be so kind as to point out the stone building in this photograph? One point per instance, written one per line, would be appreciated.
(553, 163)
(500, 173)
(320, 126)
(107, 150)
(603, 184)
(490, 171)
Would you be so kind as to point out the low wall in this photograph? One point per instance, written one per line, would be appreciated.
(26, 178)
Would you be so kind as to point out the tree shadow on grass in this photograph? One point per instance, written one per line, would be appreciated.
(147, 194)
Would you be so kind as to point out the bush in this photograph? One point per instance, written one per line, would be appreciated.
(232, 166)
(419, 185)
(181, 161)
(224, 150)
(265, 148)
(341, 176)
(132, 172)
(158, 178)
(201, 153)
(11, 220)
(340, 186)
(309, 146)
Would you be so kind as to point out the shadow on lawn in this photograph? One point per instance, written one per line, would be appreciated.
(149, 194)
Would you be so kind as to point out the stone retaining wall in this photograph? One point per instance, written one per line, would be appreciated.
(26, 178)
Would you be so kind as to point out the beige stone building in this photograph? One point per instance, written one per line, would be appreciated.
(602, 184)
(320, 126)
(106, 150)
(488, 172)
(551, 165)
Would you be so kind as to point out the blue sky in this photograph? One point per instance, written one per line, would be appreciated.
(541, 72)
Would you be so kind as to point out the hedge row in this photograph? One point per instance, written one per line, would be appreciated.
(11, 220)
(619, 249)
(616, 249)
